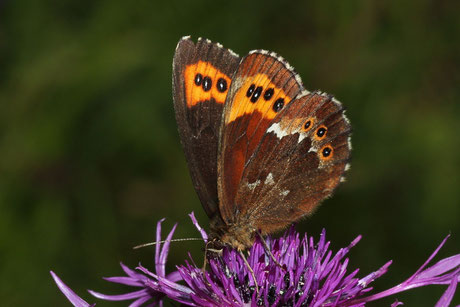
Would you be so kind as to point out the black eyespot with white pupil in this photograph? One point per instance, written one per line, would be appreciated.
(278, 105)
(269, 93)
(321, 132)
(221, 85)
(327, 151)
(198, 79)
(307, 124)
(250, 90)
(207, 84)
(256, 94)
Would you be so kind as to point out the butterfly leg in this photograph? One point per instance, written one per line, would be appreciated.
(252, 272)
(267, 249)
(218, 252)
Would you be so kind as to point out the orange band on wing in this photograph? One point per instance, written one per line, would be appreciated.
(196, 93)
(242, 104)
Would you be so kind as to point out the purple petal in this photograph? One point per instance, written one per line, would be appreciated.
(397, 303)
(161, 265)
(128, 281)
(174, 276)
(165, 280)
(441, 267)
(203, 233)
(430, 258)
(158, 239)
(436, 274)
(446, 298)
(131, 273)
(120, 297)
(71, 296)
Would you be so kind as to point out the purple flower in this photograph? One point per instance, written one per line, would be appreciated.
(309, 275)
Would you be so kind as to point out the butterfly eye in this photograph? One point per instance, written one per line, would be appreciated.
(321, 132)
(256, 94)
(279, 104)
(207, 83)
(198, 79)
(327, 152)
(268, 94)
(250, 90)
(308, 124)
(221, 85)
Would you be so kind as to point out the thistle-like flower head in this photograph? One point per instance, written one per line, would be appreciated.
(306, 273)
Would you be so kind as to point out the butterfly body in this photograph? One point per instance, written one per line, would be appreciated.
(262, 151)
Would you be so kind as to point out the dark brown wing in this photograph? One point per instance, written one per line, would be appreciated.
(299, 161)
(262, 87)
(202, 75)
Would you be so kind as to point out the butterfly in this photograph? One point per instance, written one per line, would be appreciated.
(262, 151)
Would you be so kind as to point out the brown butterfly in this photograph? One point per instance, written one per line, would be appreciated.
(262, 151)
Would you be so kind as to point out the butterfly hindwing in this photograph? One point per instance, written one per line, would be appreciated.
(202, 75)
(262, 87)
(300, 161)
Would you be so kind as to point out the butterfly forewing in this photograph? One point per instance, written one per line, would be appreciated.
(261, 88)
(202, 75)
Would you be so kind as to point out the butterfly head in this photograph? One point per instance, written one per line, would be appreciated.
(239, 236)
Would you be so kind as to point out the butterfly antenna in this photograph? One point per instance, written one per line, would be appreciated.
(172, 240)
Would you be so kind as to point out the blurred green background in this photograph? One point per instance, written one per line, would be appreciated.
(90, 156)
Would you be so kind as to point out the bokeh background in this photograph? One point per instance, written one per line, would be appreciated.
(90, 156)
